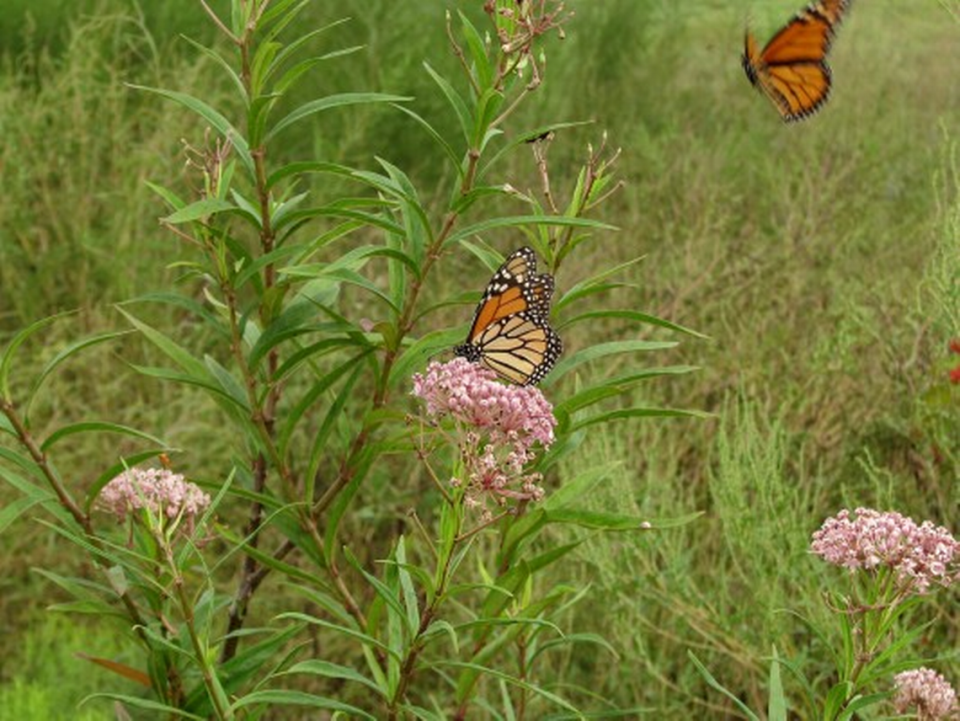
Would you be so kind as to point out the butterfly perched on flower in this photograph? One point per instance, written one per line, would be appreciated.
(792, 69)
(511, 333)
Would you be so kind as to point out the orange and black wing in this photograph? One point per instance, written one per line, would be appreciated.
(519, 348)
(791, 69)
(514, 288)
(510, 332)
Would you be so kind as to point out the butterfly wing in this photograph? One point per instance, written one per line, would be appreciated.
(520, 349)
(510, 333)
(791, 69)
(514, 288)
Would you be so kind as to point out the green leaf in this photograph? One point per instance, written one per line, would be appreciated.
(18, 340)
(777, 706)
(518, 221)
(478, 52)
(579, 486)
(510, 583)
(248, 664)
(714, 684)
(526, 137)
(297, 413)
(281, 697)
(288, 77)
(232, 388)
(28, 465)
(836, 697)
(455, 100)
(597, 520)
(202, 209)
(66, 353)
(343, 210)
(292, 322)
(436, 137)
(332, 101)
(171, 198)
(311, 353)
(190, 305)
(95, 426)
(631, 315)
(143, 703)
(33, 493)
(176, 353)
(484, 670)
(858, 703)
(523, 529)
(280, 14)
(12, 511)
(218, 121)
(466, 200)
(615, 387)
(225, 67)
(406, 586)
(418, 712)
(382, 590)
(309, 166)
(420, 351)
(602, 350)
(319, 444)
(639, 413)
(363, 638)
(488, 105)
(572, 638)
(594, 284)
(327, 669)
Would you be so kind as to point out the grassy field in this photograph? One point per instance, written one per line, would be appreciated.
(822, 259)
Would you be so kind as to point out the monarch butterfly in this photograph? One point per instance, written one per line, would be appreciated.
(791, 69)
(511, 334)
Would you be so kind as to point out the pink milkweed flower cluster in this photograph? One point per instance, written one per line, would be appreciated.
(920, 556)
(926, 691)
(498, 427)
(159, 491)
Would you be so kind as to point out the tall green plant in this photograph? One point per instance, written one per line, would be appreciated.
(323, 309)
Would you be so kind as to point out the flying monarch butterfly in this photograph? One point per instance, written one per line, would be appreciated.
(791, 69)
(511, 334)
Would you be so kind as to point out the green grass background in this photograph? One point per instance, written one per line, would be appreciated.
(822, 259)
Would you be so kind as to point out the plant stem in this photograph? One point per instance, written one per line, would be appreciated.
(408, 667)
(40, 458)
(214, 690)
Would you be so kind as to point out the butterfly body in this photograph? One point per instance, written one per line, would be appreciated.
(791, 69)
(510, 333)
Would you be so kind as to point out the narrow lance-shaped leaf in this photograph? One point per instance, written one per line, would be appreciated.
(319, 445)
(19, 339)
(298, 698)
(327, 669)
(714, 684)
(298, 412)
(630, 315)
(212, 116)
(332, 101)
(639, 413)
(202, 209)
(95, 427)
(523, 220)
(602, 350)
(456, 102)
(437, 138)
(67, 353)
